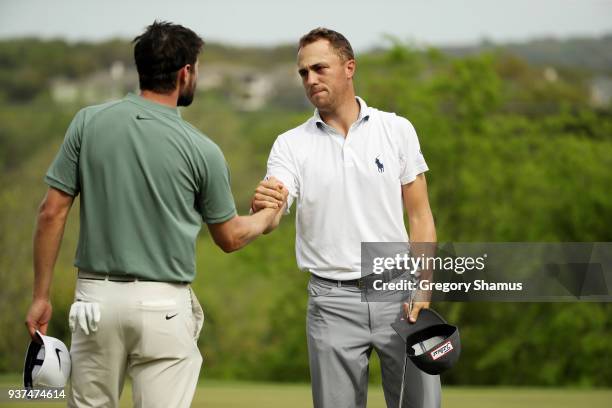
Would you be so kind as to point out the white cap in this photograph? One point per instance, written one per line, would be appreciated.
(47, 363)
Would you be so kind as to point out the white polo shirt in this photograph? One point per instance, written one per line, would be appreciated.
(347, 190)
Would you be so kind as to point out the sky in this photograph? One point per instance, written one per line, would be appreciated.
(271, 22)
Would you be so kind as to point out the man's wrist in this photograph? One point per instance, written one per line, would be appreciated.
(40, 297)
(422, 296)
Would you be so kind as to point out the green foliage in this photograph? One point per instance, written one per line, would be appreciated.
(513, 158)
(584, 54)
(24, 129)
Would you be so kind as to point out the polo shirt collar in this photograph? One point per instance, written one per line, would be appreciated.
(364, 113)
(158, 107)
(364, 110)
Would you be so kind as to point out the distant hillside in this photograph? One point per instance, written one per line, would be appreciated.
(592, 54)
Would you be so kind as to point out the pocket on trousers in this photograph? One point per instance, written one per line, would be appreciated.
(315, 288)
(89, 290)
(162, 330)
(197, 314)
(158, 304)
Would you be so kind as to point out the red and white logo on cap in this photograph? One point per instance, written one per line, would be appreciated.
(441, 350)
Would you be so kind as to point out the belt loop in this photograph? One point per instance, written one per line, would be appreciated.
(106, 277)
(339, 284)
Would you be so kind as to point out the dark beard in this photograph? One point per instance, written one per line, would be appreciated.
(186, 95)
(185, 98)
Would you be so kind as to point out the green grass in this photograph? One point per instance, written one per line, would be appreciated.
(218, 394)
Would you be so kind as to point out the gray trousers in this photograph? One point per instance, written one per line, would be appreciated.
(342, 331)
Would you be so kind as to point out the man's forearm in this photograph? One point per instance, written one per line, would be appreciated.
(47, 241)
(250, 227)
(258, 223)
(422, 241)
(275, 220)
(422, 229)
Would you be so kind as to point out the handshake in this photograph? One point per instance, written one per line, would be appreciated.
(266, 211)
(270, 193)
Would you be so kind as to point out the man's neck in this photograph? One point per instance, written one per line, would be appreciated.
(163, 99)
(343, 116)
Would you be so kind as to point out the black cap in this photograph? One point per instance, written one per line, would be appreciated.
(432, 344)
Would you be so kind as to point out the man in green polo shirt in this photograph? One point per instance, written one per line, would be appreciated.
(147, 179)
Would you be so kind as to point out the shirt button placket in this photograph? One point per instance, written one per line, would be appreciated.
(347, 151)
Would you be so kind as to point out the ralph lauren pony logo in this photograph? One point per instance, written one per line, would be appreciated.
(380, 165)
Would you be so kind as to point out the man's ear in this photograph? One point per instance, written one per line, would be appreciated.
(184, 73)
(349, 68)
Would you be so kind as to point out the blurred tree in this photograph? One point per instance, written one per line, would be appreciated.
(513, 157)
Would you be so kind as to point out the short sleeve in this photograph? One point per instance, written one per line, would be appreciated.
(412, 162)
(282, 166)
(215, 201)
(64, 171)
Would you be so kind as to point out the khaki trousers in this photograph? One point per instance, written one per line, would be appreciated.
(148, 330)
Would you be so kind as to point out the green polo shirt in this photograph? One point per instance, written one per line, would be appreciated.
(147, 179)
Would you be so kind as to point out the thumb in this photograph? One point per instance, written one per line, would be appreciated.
(31, 330)
(406, 307)
(415, 313)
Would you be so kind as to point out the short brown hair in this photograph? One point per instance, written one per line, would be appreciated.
(338, 42)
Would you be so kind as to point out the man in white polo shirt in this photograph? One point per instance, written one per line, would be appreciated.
(349, 169)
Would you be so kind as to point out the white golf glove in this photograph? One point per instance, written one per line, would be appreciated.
(86, 315)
